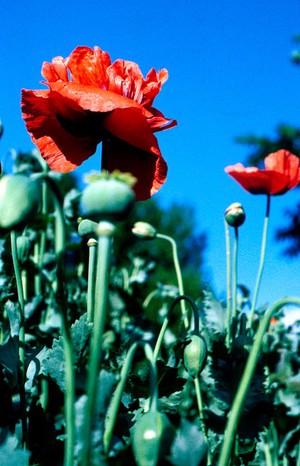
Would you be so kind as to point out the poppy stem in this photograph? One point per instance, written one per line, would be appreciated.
(92, 245)
(234, 270)
(201, 415)
(69, 402)
(20, 292)
(178, 275)
(240, 396)
(105, 235)
(261, 263)
(111, 414)
(228, 271)
(167, 319)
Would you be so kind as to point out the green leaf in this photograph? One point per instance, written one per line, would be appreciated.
(11, 454)
(13, 313)
(214, 314)
(81, 332)
(189, 446)
(9, 358)
(53, 362)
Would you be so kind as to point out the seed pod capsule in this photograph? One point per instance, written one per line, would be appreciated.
(19, 200)
(195, 355)
(107, 199)
(151, 438)
(235, 215)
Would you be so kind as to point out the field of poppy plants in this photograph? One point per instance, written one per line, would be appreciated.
(96, 369)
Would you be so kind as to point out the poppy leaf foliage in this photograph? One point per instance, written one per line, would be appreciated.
(281, 173)
(91, 100)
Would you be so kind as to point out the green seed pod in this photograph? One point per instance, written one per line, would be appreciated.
(144, 230)
(151, 438)
(19, 200)
(235, 215)
(194, 355)
(107, 199)
(87, 228)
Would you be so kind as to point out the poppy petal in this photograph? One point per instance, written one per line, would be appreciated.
(61, 149)
(132, 127)
(95, 99)
(55, 71)
(88, 66)
(286, 163)
(150, 170)
(257, 181)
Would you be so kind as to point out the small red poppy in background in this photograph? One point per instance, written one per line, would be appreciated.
(281, 173)
(91, 100)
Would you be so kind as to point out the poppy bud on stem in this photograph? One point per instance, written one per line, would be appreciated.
(105, 201)
(234, 217)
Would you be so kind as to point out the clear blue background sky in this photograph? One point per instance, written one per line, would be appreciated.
(229, 74)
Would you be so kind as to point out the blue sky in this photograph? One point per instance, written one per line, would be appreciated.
(229, 74)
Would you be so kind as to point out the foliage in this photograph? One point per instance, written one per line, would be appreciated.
(135, 370)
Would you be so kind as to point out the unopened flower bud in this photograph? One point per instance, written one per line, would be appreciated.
(19, 200)
(107, 199)
(235, 215)
(23, 248)
(144, 230)
(151, 438)
(195, 355)
(87, 228)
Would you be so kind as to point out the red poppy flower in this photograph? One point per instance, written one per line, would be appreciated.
(281, 173)
(91, 100)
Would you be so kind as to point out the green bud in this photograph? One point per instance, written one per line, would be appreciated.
(107, 199)
(87, 228)
(151, 438)
(235, 215)
(195, 355)
(23, 248)
(19, 200)
(144, 230)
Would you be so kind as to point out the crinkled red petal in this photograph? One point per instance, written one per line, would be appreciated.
(88, 66)
(149, 169)
(95, 99)
(130, 125)
(62, 150)
(55, 71)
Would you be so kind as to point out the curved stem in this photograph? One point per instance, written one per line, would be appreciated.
(18, 277)
(178, 275)
(112, 411)
(60, 246)
(105, 232)
(167, 319)
(238, 402)
(262, 261)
